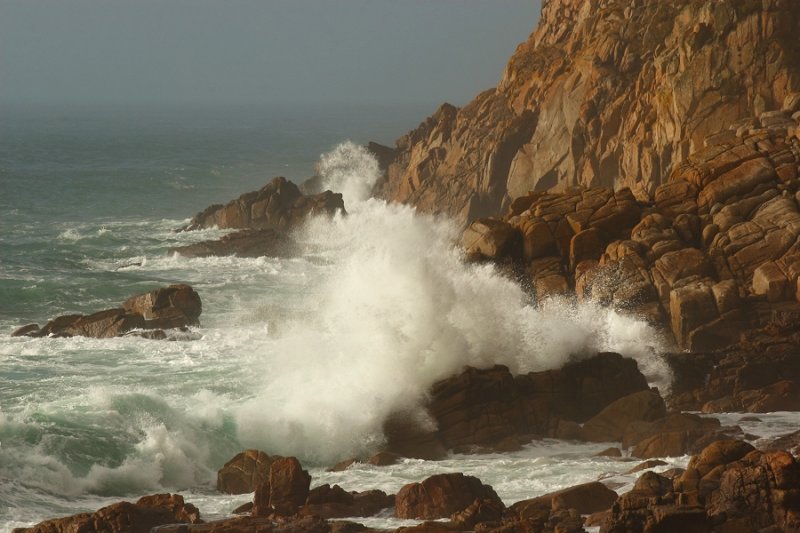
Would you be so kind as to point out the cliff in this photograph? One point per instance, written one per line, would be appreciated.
(605, 93)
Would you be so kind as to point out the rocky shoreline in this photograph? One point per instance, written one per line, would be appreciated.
(653, 168)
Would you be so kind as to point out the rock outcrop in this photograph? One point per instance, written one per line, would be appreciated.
(124, 517)
(493, 409)
(265, 219)
(245, 472)
(278, 205)
(603, 94)
(441, 495)
(729, 486)
(176, 306)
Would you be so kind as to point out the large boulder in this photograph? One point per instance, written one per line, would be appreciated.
(492, 239)
(245, 472)
(440, 496)
(175, 306)
(285, 491)
(586, 498)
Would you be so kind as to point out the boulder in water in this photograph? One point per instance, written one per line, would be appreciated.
(285, 491)
(441, 495)
(244, 472)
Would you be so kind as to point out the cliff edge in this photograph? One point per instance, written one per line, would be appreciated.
(605, 93)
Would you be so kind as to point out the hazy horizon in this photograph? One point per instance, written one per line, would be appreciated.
(244, 52)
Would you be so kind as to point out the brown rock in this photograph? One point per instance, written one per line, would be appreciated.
(610, 424)
(278, 205)
(626, 94)
(586, 498)
(244, 472)
(124, 517)
(492, 239)
(245, 243)
(171, 307)
(385, 459)
(285, 491)
(440, 496)
(652, 463)
(30, 330)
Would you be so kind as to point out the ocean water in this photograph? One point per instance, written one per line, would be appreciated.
(303, 356)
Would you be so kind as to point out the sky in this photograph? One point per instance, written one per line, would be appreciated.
(257, 51)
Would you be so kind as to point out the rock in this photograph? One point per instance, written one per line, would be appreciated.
(554, 120)
(770, 281)
(586, 498)
(441, 495)
(285, 491)
(245, 243)
(492, 239)
(487, 407)
(278, 205)
(384, 459)
(244, 472)
(30, 330)
(610, 424)
(609, 452)
(652, 463)
(124, 517)
(480, 511)
(175, 306)
(343, 465)
(671, 436)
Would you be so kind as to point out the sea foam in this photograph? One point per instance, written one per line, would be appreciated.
(398, 310)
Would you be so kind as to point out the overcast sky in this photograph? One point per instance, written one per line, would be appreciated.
(257, 51)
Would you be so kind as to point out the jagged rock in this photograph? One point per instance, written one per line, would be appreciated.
(608, 94)
(278, 205)
(124, 517)
(441, 495)
(285, 491)
(244, 472)
(171, 307)
(176, 306)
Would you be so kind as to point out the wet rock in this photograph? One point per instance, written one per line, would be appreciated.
(586, 498)
(441, 495)
(285, 491)
(30, 330)
(610, 424)
(492, 239)
(385, 459)
(278, 205)
(245, 243)
(124, 517)
(646, 465)
(175, 306)
(244, 472)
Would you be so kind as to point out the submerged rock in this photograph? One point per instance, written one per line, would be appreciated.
(245, 243)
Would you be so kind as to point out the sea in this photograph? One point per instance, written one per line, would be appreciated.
(302, 356)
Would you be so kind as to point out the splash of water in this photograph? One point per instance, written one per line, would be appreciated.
(398, 311)
(351, 170)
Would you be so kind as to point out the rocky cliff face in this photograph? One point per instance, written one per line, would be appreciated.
(611, 93)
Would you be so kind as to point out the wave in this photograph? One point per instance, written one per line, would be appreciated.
(398, 310)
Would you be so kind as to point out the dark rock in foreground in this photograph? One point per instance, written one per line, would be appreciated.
(176, 306)
(441, 495)
(492, 409)
(124, 517)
